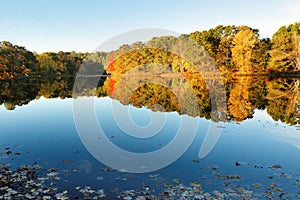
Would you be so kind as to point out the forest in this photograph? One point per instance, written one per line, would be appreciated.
(234, 50)
(250, 70)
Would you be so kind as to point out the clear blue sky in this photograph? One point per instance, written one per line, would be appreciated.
(81, 25)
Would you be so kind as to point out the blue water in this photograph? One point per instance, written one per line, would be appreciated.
(44, 132)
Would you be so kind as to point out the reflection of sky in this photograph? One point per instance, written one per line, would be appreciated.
(133, 138)
(43, 118)
(46, 128)
(39, 117)
(54, 112)
(279, 130)
(264, 140)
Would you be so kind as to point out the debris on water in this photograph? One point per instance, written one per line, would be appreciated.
(30, 182)
(76, 170)
(89, 193)
(296, 183)
(108, 169)
(167, 184)
(258, 167)
(102, 196)
(255, 166)
(197, 190)
(23, 183)
(144, 185)
(257, 185)
(53, 175)
(153, 175)
(176, 180)
(195, 184)
(122, 178)
(283, 175)
(62, 196)
(165, 194)
(52, 170)
(67, 161)
(274, 189)
(77, 187)
(232, 177)
(140, 198)
(213, 167)
(240, 188)
(228, 177)
(227, 183)
(274, 167)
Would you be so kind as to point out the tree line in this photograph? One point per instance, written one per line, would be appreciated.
(279, 96)
(234, 49)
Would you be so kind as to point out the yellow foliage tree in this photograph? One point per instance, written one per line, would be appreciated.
(239, 104)
(244, 42)
(46, 63)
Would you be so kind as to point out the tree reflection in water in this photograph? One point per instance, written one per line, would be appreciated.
(279, 96)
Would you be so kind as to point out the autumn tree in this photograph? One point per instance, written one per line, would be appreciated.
(14, 61)
(283, 100)
(46, 64)
(218, 43)
(261, 56)
(22, 92)
(242, 53)
(285, 53)
(61, 63)
(239, 104)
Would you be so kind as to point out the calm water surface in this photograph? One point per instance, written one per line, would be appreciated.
(258, 157)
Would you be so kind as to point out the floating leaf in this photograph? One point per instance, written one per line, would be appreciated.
(274, 167)
(257, 185)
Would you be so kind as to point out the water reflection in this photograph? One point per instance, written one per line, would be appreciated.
(44, 132)
(279, 96)
(258, 157)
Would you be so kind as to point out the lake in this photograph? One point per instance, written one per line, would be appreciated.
(164, 138)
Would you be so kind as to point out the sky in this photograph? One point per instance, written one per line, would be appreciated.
(83, 25)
